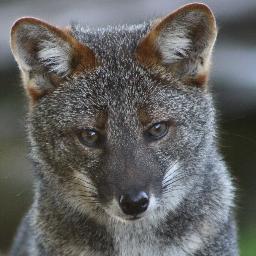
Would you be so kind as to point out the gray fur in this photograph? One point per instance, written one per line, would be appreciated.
(193, 214)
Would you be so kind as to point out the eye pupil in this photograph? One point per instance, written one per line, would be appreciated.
(92, 134)
(157, 130)
(157, 127)
(89, 137)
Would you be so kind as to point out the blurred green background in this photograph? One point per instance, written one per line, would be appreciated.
(233, 82)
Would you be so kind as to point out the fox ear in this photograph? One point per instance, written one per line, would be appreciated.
(181, 44)
(47, 55)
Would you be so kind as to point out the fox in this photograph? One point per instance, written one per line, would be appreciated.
(123, 139)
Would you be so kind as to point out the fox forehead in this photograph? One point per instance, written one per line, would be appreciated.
(113, 44)
(118, 101)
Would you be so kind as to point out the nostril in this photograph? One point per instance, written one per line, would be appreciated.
(143, 202)
(134, 203)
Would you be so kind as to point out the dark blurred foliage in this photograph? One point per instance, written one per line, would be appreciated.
(233, 84)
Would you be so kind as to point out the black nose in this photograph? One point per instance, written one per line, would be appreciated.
(134, 203)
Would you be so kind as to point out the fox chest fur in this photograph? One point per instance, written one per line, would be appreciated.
(122, 130)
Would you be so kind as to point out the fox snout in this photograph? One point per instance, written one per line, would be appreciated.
(135, 199)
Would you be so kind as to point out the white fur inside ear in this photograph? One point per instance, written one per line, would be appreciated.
(56, 55)
(178, 40)
(174, 44)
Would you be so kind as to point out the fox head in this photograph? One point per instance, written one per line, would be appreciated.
(121, 120)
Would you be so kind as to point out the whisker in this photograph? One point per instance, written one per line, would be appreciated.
(166, 183)
(166, 177)
(89, 199)
(174, 179)
(167, 187)
(89, 189)
(76, 177)
(71, 180)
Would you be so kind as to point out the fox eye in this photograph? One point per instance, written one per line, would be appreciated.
(157, 130)
(89, 137)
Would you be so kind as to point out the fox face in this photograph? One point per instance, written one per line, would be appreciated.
(120, 118)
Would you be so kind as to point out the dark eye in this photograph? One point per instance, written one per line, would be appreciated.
(89, 137)
(157, 130)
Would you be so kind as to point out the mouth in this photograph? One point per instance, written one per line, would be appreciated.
(133, 218)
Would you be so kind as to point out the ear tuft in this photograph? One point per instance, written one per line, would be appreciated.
(56, 57)
(181, 44)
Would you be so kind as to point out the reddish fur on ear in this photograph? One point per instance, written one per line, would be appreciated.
(27, 34)
(197, 81)
(34, 94)
(83, 57)
(149, 54)
(146, 52)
